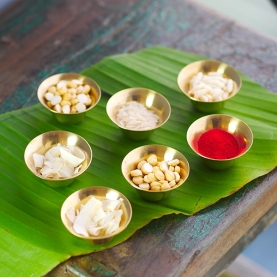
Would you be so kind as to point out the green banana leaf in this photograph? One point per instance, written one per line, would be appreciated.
(32, 234)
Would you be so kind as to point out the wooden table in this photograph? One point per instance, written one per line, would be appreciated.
(41, 38)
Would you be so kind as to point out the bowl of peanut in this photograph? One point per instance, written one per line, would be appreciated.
(209, 84)
(155, 170)
(68, 96)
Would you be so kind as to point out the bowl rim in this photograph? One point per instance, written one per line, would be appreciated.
(206, 61)
(216, 115)
(144, 90)
(118, 231)
(77, 75)
(57, 180)
(157, 145)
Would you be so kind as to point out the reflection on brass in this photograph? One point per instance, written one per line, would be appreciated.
(151, 99)
(207, 66)
(100, 193)
(228, 123)
(45, 141)
(163, 152)
(53, 80)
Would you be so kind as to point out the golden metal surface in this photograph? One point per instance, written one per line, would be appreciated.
(163, 152)
(207, 66)
(53, 80)
(151, 99)
(228, 123)
(45, 141)
(100, 193)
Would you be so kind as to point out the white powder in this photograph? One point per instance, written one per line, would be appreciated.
(136, 116)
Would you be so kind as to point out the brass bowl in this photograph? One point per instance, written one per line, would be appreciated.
(44, 142)
(151, 99)
(99, 193)
(53, 80)
(207, 66)
(233, 125)
(163, 152)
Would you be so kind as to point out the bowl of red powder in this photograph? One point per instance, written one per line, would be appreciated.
(219, 139)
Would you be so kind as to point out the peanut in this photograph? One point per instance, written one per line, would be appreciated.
(155, 175)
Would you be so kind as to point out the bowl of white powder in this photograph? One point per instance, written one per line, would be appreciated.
(138, 112)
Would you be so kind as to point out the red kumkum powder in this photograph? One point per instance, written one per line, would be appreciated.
(218, 144)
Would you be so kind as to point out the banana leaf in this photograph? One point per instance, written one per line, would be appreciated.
(32, 235)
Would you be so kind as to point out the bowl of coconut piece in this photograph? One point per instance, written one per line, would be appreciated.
(96, 213)
(138, 112)
(69, 96)
(57, 158)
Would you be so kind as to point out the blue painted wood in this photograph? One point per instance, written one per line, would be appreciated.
(41, 38)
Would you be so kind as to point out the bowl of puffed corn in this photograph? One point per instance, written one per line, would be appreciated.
(155, 171)
(68, 96)
(209, 84)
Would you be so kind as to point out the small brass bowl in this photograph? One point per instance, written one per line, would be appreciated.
(207, 66)
(151, 99)
(99, 193)
(53, 80)
(44, 142)
(240, 130)
(163, 152)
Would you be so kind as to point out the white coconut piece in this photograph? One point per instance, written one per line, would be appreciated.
(74, 159)
(94, 230)
(53, 152)
(38, 160)
(66, 171)
(107, 219)
(57, 164)
(45, 171)
(70, 214)
(86, 214)
(100, 214)
(49, 163)
(111, 205)
(76, 151)
(114, 224)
